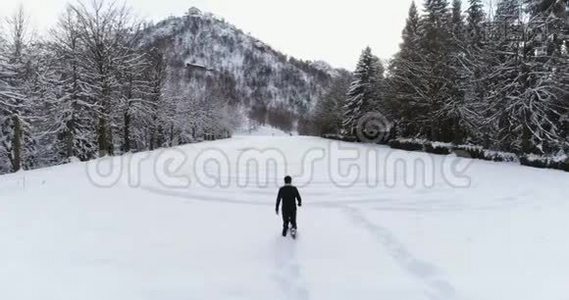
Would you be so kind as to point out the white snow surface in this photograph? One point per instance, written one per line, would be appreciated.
(262, 130)
(503, 237)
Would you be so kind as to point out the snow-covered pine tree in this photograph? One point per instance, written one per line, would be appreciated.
(503, 51)
(41, 89)
(436, 53)
(474, 66)
(508, 12)
(191, 121)
(475, 23)
(160, 108)
(212, 121)
(73, 112)
(455, 113)
(364, 94)
(15, 98)
(215, 119)
(409, 47)
(327, 116)
(102, 28)
(5, 107)
(457, 20)
(546, 74)
(405, 81)
(529, 78)
(134, 103)
(4, 111)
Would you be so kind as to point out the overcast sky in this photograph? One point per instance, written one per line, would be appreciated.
(331, 30)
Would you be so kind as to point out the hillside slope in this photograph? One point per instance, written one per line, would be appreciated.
(502, 237)
(211, 58)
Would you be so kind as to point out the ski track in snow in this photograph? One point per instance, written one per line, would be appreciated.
(288, 270)
(428, 274)
(287, 266)
(386, 203)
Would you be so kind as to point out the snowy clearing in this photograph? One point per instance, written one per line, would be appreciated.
(262, 130)
(503, 237)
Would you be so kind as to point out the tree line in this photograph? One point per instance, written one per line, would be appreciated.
(497, 78)
(89, 88)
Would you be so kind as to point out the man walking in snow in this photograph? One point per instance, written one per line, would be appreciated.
(288, 194)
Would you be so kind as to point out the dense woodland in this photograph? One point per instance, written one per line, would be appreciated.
(497, 78)
(86, 90)
(103, 83)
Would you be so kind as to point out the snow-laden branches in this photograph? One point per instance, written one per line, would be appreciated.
(91, 89)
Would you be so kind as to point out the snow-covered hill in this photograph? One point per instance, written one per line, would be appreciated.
(207, 55)
(500, 235)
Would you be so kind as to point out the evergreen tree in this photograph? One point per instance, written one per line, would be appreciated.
(545, 75)
(405, 80)
(328, 113)
(102, 31)
(16, 102)
(454, 110)
(159, 104)
(72, 111)
(411, 31)
(475, 24)
(503, 51)
(474, 69)
(457, 20)
(436, 53)
(530, 79)
(133, 100)
(364, 93)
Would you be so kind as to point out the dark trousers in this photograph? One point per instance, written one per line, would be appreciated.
(289, 216)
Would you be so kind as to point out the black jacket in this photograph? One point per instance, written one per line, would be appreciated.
(288, 194)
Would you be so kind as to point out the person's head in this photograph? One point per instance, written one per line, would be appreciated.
(288, 180)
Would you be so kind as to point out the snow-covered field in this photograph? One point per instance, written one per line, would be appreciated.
(496, 231)
(262, 130)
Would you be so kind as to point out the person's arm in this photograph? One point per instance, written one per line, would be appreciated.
(298, 197)
(279, 196)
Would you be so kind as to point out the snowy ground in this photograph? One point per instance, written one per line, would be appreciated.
(262, 130)
(502, 236)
